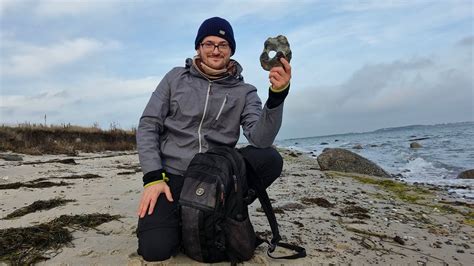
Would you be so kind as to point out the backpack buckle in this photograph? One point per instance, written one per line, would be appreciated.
(271, 248)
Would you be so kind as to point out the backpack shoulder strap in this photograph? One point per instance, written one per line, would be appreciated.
(234, 157)
(267, 208)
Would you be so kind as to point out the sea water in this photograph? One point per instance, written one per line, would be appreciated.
(447, 150)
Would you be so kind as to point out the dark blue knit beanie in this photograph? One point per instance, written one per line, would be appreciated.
(216, 26)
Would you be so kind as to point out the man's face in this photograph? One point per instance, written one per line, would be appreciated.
(212, 56)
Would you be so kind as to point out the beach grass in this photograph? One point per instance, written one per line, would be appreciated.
(37, 139)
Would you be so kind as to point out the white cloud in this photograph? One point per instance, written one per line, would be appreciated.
(264, 9)
(431, 89)
(113, 88)
(8, 4)
(30, 60)
(372, 5)
(94, 99)
(58, 8)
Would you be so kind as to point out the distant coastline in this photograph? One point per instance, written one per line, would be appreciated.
(387, 129)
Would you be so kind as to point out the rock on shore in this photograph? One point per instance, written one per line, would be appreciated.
(468, 174)
(337, 159)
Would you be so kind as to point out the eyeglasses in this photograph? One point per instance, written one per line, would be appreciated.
(221, 47)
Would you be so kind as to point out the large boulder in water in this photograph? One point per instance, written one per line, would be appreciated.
(342, 160)
(468, 174)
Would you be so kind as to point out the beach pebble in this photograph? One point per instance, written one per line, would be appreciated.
(415, 145)
(86, 252)
(114, 252)
(357, 147)
(399, 240)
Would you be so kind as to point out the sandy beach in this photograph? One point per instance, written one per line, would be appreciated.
(337, 217)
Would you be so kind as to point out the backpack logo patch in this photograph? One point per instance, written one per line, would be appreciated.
(200, 191)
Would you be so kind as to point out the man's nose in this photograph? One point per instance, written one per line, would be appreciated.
(216, 50)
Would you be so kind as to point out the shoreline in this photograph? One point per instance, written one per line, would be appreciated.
(457, 187)
(364, 222)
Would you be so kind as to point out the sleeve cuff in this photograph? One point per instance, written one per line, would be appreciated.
(278, 90)
(153, 176)
(277, 98)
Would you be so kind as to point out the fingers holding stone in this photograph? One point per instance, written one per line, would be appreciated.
(286, 65)
(277, 73)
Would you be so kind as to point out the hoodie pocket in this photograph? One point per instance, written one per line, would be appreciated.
(222, 106)
(224, 115)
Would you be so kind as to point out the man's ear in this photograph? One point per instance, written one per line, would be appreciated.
(198, 51)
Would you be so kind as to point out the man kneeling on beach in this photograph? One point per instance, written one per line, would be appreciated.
(194, 108)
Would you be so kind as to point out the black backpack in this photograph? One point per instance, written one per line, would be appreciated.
(214, 210)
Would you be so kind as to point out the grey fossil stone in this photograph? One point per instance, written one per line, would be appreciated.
(278, 44)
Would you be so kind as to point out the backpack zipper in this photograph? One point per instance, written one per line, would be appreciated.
(198, 206)
(235, 183)
(222, 194)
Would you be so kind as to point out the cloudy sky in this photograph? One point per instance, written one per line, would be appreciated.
(357, 65)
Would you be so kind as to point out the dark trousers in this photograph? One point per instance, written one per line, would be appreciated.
(159, 234)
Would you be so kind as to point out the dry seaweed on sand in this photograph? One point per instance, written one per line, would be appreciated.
(356, 212)
(27, 245)
(21, 246)
(42, 184)
(321, 202)
(63, 161)
(354, 209)
(84, 176)
(127, 173)
(83, 221)
(38, 205)
(276, 210)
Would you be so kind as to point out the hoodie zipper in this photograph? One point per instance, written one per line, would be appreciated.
(222, 107)
(209, 92)
(203, 116)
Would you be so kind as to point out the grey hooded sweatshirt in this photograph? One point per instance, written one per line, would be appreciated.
(188, 114)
